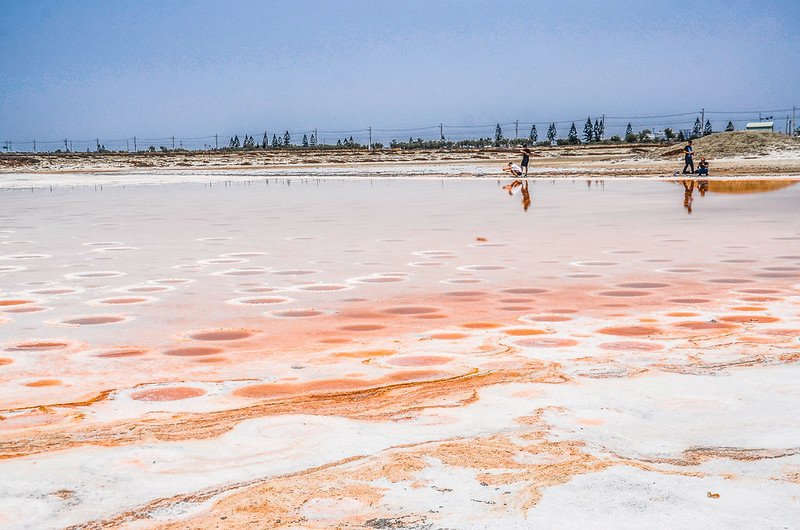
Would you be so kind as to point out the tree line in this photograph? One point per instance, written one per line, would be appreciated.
(593, 132)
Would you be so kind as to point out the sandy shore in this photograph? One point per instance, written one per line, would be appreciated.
(602, 161)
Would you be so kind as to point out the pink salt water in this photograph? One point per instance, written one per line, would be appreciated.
(284, 328)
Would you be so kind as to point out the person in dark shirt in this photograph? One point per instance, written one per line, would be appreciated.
(702, 167)
(526, 153)
(688, 152)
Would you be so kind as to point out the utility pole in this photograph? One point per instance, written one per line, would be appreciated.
(134, 145)
(794, 123)
(370, 139)
(316, 138)
(703, 122)
(97, 142)
(34, 146)
(441, 132)
(603, 121)
(173, 142)
(66, 145)
(516, 129)
(127, 146)
(216, 142)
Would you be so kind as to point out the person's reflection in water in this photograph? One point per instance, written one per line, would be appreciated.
(526, 196)
(512, 188)
(688, 190)
(522, 186)
(702, 187)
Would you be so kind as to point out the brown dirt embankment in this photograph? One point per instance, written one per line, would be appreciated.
(282, 158)
(737, 154)
(746, 144)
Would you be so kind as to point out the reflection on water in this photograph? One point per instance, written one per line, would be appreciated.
(747, 186)
(520, 186)
(729, 187)
(688, 192)
(702, 186)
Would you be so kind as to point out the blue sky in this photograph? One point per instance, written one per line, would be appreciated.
(117, 69)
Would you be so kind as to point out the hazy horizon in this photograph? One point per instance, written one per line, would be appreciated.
(117, 70)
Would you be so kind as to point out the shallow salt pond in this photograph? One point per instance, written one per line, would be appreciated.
(141, 325)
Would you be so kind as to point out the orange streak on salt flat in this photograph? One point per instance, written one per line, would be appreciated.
(5, 303)
(630, 331)
(86, 321)
(741, 319)
(38, 346)
(365, 354)
(420, 360)
(699, 326)
(410, 310)
(44, 382)
(222, 334)
(131, 352)
(362, 327)
(193, 351)
(123, 301)
(481, 325)
(25, 309)
(522, 332)
(631, 346)
(449, 336)
(548, 318)
(274, 390)
(168, 394)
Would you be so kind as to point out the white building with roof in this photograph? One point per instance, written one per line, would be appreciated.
(760, 126)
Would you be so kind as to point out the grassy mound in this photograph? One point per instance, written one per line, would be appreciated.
(736, 143)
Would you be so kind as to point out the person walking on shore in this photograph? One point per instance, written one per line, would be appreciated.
(688, 153)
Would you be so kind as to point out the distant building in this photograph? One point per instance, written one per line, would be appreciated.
(760, 126)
